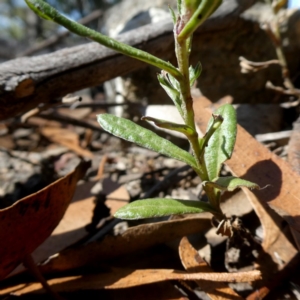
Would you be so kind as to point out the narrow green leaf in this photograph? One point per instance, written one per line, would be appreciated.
(160, 207)
(230, 183)
(220, 145)
(46, 11)
(171, 91)
(174, 81)
(132, 132)
(35, 7)
(217, 121)
(179, 6)
(195, 73)
(173, 15)
(185, 129)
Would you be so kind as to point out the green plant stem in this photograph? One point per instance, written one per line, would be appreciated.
(46, 11)
(182, 53)
(204, 10)
(214, 199)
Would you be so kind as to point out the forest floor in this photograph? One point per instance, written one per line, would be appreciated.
(100, 256)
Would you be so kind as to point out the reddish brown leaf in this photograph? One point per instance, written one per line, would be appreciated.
(29, 221)
(275, 242)
(134, 239)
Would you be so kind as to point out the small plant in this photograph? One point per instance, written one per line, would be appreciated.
(208, 152)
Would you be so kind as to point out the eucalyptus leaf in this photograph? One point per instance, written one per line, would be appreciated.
(160, 207)
(132, 132)
(230, 183)
(220, 145)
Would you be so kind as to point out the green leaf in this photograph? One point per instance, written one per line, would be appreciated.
(173, 15)
(185, 129)
(230, 183)
(217, 121)
(179, 6)
(34, 6)
(195, 73)
(134, 133)
(171, 91)
(220, 145)
(160, 207)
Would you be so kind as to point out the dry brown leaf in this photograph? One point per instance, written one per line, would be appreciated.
(254, 162)
(125, 278)
(29, 221)
(275, 242)
(70, 230)
(65, 138)
(192, 262)
(134, 239)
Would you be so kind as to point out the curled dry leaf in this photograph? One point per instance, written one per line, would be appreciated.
(134, 239)
(192, 262)
(125, 278)
(29, 221)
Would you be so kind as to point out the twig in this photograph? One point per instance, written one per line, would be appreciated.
(248, 66)
(273, 136)
(32, 267)
(72, 121)
(172, 178)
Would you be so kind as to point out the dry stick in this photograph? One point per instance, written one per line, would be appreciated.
(58, 37)
(72, 121)
(46, 106)
(95, 104)
(32, 267)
